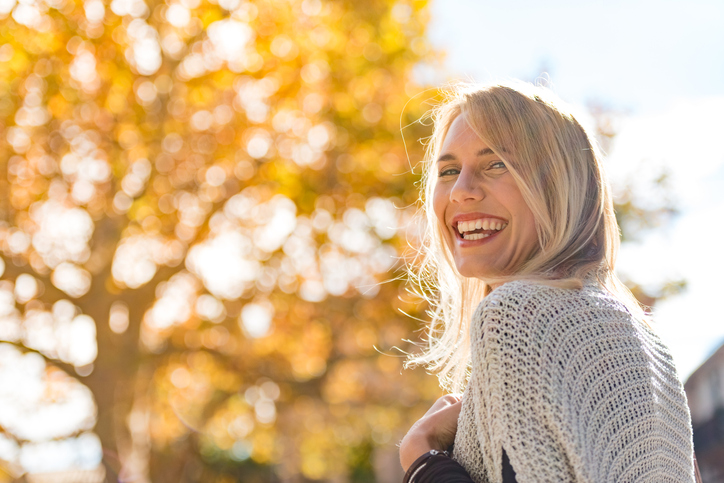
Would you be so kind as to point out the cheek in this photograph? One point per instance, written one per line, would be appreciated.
(530, 234)
(520, 211)
(439, 204)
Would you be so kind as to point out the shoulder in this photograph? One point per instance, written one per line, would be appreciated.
(531, 297)
(577, 337)
(594, 378)
(525, 308)
(521, 291)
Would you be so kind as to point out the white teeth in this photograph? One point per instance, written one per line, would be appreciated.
(485, 224)
(476, 236)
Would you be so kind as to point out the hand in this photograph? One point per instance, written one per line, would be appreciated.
(435, 430)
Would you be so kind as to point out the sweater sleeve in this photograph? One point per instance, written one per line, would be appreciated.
(573, 389)
(618, 405)
(509, 352)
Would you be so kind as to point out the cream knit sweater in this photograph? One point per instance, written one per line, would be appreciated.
(574, 388)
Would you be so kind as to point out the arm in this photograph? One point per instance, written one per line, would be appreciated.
(598, 389)
(506, 418)
(422, 450)
(434, 431)
(628, 416)
(436, 467)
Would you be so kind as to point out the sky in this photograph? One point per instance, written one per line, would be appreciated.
(659, 63)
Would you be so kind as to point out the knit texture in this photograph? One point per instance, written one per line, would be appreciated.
(574, 388)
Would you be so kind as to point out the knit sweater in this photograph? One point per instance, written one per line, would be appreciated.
(574, 388)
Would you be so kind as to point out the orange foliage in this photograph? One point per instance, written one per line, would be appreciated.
(227, 180)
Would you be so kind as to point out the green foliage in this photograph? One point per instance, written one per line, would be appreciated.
(361, 458)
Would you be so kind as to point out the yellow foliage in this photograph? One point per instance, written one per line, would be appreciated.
(180, 134)
(264, 446)
(210, 15)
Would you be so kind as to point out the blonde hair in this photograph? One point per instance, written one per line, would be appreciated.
(557, 167)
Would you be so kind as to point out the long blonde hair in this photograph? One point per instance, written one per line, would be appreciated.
(557, 167)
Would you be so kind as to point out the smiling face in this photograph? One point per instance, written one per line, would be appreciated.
(482, 215)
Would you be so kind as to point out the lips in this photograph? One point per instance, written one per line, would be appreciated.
(477, 226)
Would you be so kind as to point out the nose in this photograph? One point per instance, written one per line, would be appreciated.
(467, 187)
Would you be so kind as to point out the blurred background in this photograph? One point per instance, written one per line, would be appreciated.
(205, 207)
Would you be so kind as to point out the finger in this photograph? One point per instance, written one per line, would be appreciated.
(449, 411)
(445, 424)
(444, 401)
(438, 407)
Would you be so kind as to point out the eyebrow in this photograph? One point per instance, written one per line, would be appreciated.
(451, 157)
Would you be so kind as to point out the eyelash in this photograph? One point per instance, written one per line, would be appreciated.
(445, 171)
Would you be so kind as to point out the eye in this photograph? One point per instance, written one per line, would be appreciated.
(497, 165)
(448, 171)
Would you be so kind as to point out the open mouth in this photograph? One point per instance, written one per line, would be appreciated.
(480, 228)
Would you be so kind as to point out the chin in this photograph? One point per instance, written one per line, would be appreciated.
(480, 271)
(472, 272)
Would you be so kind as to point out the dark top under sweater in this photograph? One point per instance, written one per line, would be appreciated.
(447, 470)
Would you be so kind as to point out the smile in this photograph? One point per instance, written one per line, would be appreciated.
(480, 228)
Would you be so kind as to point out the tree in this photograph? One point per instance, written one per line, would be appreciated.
(637, 216)
(184, 183)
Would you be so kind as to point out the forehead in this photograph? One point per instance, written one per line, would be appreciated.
(460, 136)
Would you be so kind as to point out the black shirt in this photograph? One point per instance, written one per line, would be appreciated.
(443, 469)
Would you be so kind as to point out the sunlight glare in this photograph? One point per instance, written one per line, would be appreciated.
(118, 317)
(224, 265)
(174, 303)
(71, 279)
(62, 233)
(26, 288)
(256, 318)
(230, 38)
(82, 452)
(39, 405)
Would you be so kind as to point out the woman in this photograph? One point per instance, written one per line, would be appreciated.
(564, 380)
